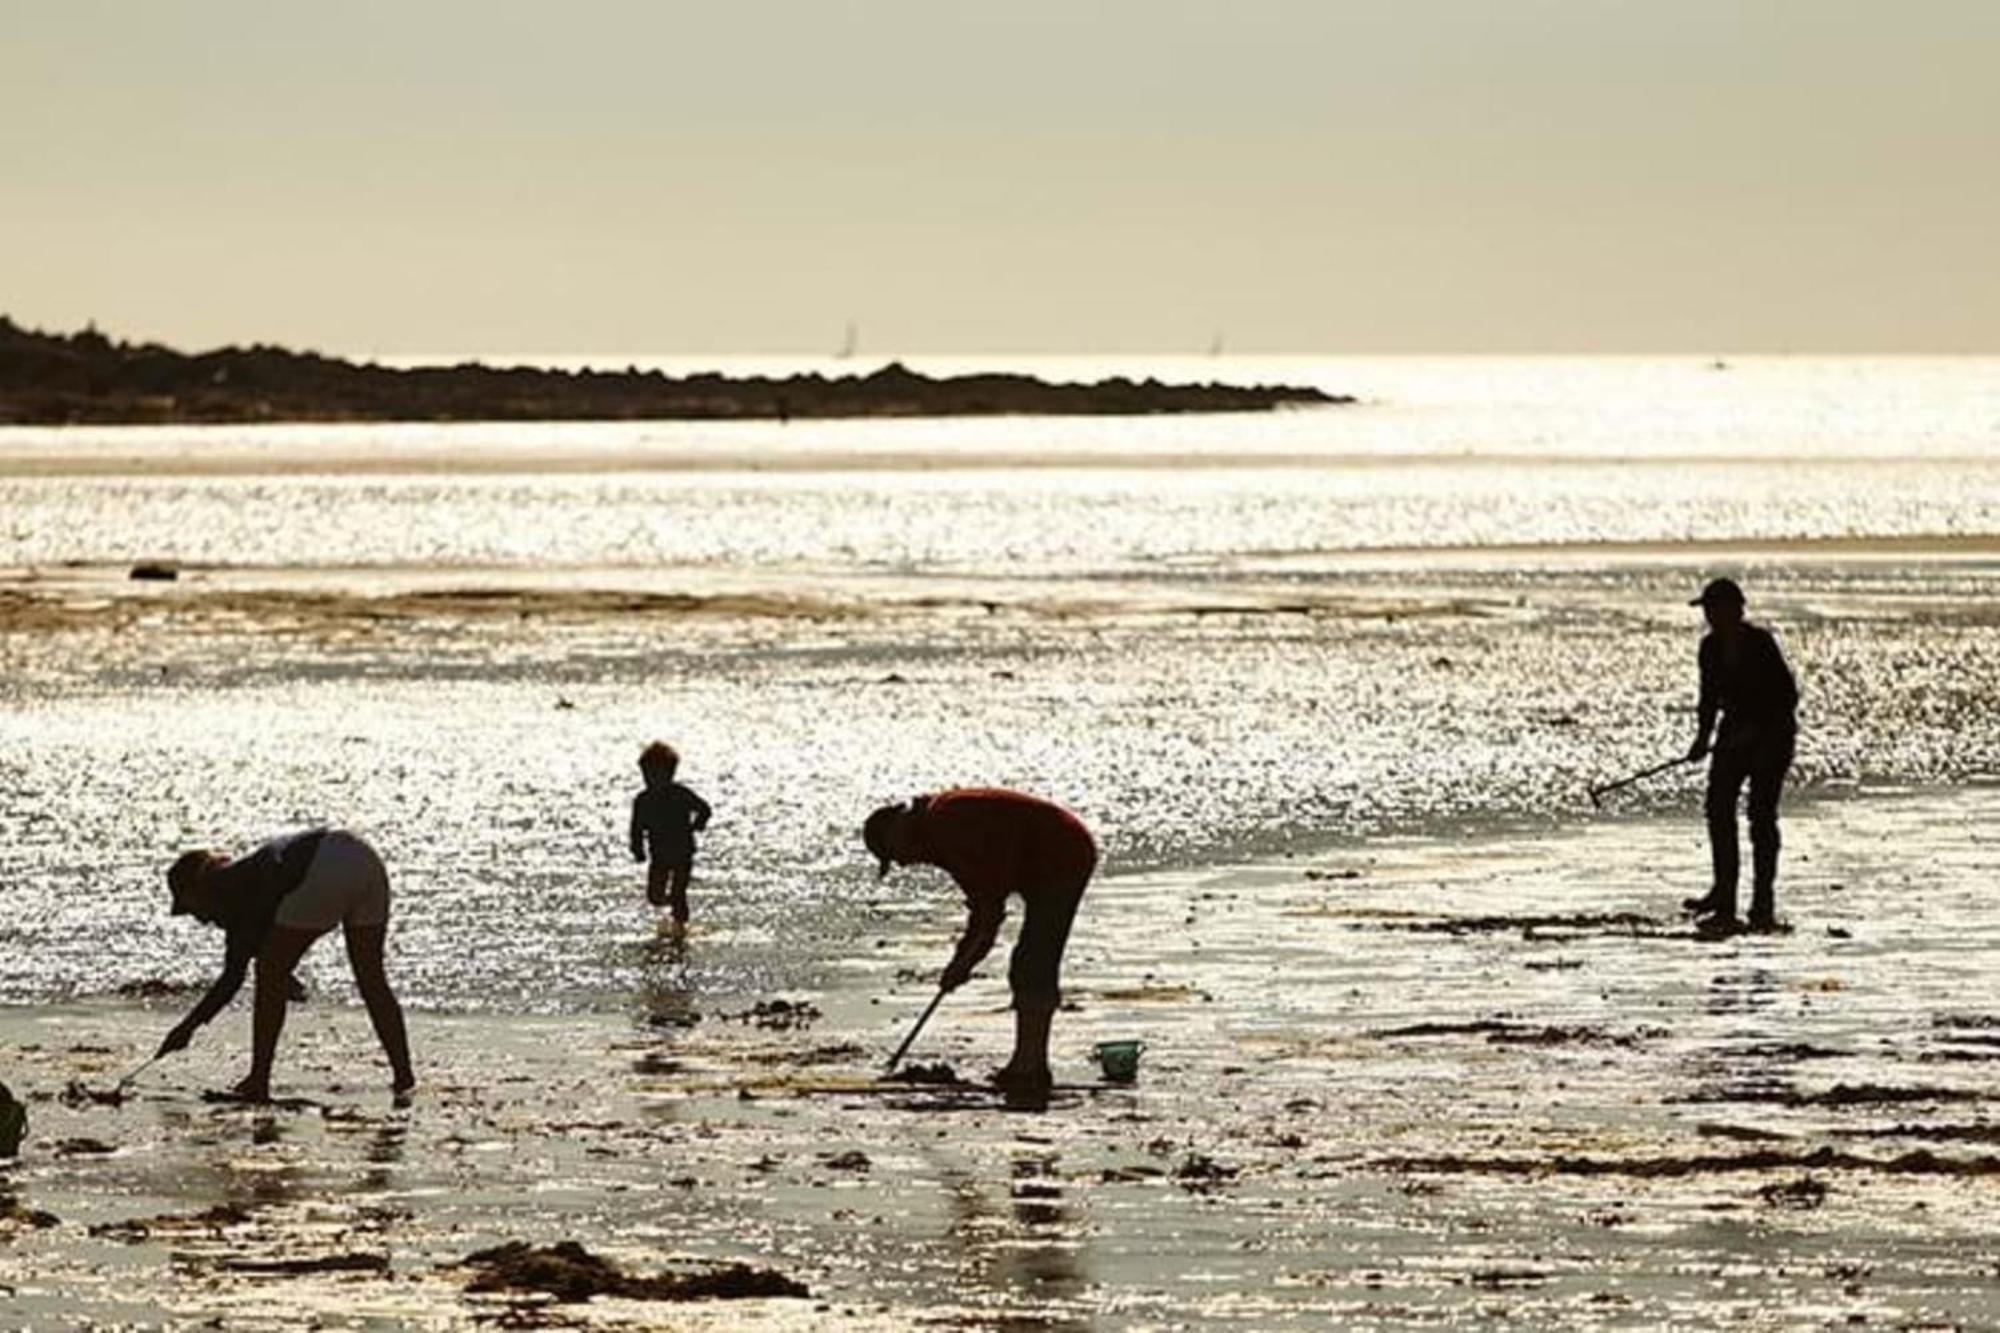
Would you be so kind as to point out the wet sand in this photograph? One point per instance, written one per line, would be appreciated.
(1481, 1073)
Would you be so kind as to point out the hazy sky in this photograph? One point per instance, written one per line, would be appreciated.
(1049, 175)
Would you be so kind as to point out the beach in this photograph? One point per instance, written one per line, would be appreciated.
(1427, 1037)
(1428, 1080)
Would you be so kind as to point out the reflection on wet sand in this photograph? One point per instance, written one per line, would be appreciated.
(1748, 1060)
(387, 1144)
(1027, 1258)
(667, 995)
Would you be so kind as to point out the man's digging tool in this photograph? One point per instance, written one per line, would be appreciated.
(1597, 793)
(902, 1050)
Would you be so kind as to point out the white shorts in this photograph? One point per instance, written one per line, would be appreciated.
(345, 885)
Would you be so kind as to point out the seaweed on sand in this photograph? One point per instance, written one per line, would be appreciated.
(156, 988)
(1533, 926)
(1505, 1032)
(851, 1160)
(14, 1213)
(78, 1093)
(1200, 1174)
(569, 1272)
(779, 1015)
(938, 1073)
(1916, 1163)
(357, 1262)
(1840, 1094)
(1801, 1194)
(213, 1220)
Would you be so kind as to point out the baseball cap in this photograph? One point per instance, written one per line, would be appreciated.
(1723, 591)
(875, 834)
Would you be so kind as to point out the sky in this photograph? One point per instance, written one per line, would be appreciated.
(1313, 176)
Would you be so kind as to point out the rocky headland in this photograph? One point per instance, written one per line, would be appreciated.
(88, 378)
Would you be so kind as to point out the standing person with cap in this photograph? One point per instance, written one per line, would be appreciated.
(273, 904)
(1744, 682)
(997, 844)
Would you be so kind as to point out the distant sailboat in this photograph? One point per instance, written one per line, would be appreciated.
(850, 342)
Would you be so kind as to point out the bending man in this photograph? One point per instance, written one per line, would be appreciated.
(995, 844)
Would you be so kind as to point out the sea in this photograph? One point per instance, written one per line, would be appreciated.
(1453, 604)
(1426, 1039)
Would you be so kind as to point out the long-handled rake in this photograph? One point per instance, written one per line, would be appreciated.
(1597, 793)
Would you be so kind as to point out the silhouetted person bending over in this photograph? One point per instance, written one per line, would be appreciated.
(1745, 682)
(273, 904)
(997, 844)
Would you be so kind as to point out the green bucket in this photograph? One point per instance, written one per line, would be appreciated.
(1119, 1059)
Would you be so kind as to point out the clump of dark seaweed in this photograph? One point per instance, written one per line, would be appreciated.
(937, 1073)
(1803, 1193)
(213, 1220)
(779, 1015)
(83, 1147)
(156, 988)
(78, 1093)
(1840, 1094)
(1916, 1163)
(1505, 1032)
(1201, 1173)
(1529, 926)
(356, 1262)
(851, 1160)
(14, 1213)
(569, 1272)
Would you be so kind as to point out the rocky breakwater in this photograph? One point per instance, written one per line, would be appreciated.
(88, 378)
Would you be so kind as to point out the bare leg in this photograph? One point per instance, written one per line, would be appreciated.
(1034, 973)
(283, 947)
(656, 883)
(1030, 1061)
(678, 892)
(365, 948)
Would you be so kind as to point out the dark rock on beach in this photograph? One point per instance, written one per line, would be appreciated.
(53, 379)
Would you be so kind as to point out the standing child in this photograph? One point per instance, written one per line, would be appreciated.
(665, 818)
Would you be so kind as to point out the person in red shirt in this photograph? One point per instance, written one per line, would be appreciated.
(996, 844)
